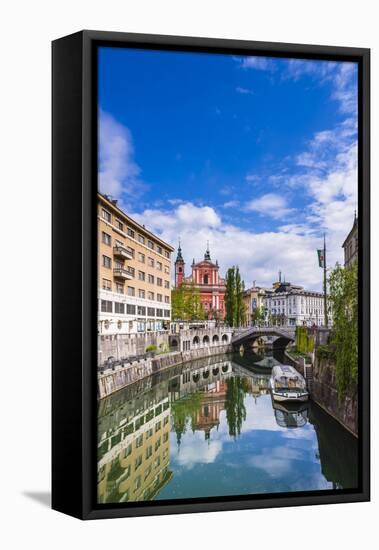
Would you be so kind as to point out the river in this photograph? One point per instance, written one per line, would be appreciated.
(210, 428)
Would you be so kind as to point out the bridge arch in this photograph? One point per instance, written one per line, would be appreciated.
(206, 340)
(283, 336)
(224, 339)
(215, 340)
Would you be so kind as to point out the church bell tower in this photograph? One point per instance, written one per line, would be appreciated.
(179, 268)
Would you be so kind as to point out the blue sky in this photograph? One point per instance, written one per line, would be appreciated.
(255, 154)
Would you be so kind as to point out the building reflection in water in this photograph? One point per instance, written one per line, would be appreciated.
(134, 458)
(134, 425)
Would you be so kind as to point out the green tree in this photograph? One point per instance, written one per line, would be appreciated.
(236, 388)
(186, 303)
(343, 297)
(234, 304)
(184, 413)
(240, 309)
(258, 315)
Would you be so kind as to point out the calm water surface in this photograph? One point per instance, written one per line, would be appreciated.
(210, 428)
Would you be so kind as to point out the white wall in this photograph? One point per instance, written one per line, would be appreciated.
(27, 29)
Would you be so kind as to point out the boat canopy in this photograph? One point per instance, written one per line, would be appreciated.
(287, 377)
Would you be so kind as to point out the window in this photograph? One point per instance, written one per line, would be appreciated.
(167, 313)
(106, 215)
(166, 269)
(159, 312)
(131, 271)
(205, 279)
(151, 279)
(106, 306)
(137, 464)
(167, 299)
(150, 262)
(149, 451)
(127, 451)
(159, 249)
(167, 254)
(141, 257)
(157, 444)
(159, 281)
(167, 284)
(165, 435)
(139, 441)
(141, 275)
(158, 426)
(141, 310)
(150, 295)
(119, 307)
(130, 250)
(106, 238)
(159, 266)
(107, 285)
(137, 483)
(151, 312)
(130, 309)
(141, 239)
(131, 291)
(119, 264)
(119, 288)
(119, 225)
(141, 293)
(149, 432)
(150, 244)
(159, 297)
(107, 262)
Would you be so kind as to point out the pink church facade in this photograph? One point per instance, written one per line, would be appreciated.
(206, 278)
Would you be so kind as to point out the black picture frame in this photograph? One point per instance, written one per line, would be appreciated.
(74, 295)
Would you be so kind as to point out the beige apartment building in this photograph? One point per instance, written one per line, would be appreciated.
(253, 299)
(135, 457)
(134, 274)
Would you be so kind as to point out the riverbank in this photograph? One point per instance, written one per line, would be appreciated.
(321, 382)
(127, 372)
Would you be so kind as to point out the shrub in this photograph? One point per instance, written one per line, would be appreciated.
(151, 347)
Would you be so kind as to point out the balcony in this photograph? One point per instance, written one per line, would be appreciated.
(121, 252)
(121, 273)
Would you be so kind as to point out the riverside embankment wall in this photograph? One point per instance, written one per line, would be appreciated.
(113, 380)
(323, 386)
(324, 393)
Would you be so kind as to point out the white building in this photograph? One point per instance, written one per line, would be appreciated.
(120, 314)
(292, 305)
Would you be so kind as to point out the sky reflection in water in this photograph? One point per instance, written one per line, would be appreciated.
(211, 429)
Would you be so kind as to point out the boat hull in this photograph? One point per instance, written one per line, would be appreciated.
(288, 397)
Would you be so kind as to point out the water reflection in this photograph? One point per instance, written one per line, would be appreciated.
(210, 428)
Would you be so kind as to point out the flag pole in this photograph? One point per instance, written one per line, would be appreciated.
(325, 299)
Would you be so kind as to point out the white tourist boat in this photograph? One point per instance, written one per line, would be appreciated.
(286, 384)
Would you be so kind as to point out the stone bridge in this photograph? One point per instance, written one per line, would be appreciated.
(197, 338)
(283, 335)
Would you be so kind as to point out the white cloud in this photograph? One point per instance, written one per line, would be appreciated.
(259, 255)
(252, 178)
(118, 172)
(195, 450)
(244, 91)
(341, 75)
(256, 62)
(231, 204)
(271, 204)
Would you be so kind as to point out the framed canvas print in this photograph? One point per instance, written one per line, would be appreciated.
(210, 274)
